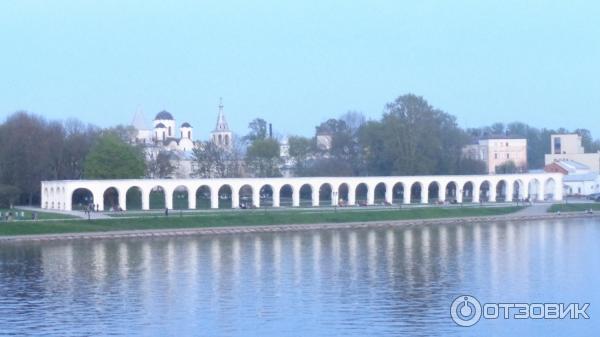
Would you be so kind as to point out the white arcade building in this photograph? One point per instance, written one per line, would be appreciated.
(299, 191)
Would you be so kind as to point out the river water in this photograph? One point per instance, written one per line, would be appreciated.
(364, 282)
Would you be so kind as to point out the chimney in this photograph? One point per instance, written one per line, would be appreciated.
(270, 130)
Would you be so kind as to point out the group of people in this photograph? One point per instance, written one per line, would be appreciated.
(10, 215)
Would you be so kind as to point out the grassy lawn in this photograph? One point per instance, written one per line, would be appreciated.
(242, 219)
(40, 215)
(580, 207)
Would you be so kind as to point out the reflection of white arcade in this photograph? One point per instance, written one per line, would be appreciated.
(401, 189)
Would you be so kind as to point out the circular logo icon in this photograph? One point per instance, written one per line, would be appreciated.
(465, 310)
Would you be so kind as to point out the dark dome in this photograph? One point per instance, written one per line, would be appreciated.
(164, 115)
(160, 125)
(186, 125)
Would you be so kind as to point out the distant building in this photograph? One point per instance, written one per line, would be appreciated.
(569, 147)
(495, 151)
(579, 178)
(221, 135)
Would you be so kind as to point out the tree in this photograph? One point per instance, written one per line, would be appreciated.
(300, 149)
(112, 158)
(30, 151)
(258, 130)
(507, 168)
(263, 158)
(471, 166)
(415, 138)
(160, 166)
(8, 195)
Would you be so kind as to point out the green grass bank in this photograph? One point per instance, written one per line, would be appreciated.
(251, 218)
(576, 207)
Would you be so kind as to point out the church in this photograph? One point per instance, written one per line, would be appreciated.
(166, 136)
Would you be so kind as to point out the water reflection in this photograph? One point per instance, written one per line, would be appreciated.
(390, 281)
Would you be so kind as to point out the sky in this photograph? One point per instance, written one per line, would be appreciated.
(298, 63)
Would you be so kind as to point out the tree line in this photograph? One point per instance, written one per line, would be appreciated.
(410, 138)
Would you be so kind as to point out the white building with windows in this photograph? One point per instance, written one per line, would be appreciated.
(495, 151)
(569, 147)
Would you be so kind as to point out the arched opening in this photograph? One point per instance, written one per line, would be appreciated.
(343, 194)
(549, 187)
(225, 193)
(451, 192)
(180, 197)
(433, 192)
(534, 187)
(266, 196)
(467, 192)
(398, 193)
(157, 198)
(415, 193)
(286, 194)
(306, 195)
(325, 195)
(484, 191)
(203, 197)
(501, 191)
(246, 200)
(133, 198)
(380, 190)
(361, 194)
(81, 199)
(111, 199)
(518, 190)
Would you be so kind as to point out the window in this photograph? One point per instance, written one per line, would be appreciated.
(169, 131)
(557, 145)
(190, 134)
(495, 156)
(507, 156)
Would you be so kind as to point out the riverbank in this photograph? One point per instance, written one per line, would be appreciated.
(244, 218)
(245, 229)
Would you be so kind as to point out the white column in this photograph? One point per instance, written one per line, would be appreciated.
(541, 191)
(335, 196)
(407, 193)
(509, 191)
(459, 194)
(315, 196)
(492, 191)
(389, 194)
(296, 196)
(370, 195)
(351, 195)
(235, 197)
(99, 199)
(256, 196)
(476, 192)
(276, 201)
(169, 198)
(214, 197)
(558, 190)
(146, 199)
(191, 199)
(424, 194)
(122, 199)
(442, 192)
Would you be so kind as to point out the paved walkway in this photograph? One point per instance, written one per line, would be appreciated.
(78, 214)
(535, 209)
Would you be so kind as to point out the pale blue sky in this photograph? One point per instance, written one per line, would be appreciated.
(297, 63)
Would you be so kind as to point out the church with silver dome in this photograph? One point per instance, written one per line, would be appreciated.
(166, 136)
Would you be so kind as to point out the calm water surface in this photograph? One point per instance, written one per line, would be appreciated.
(371, 282)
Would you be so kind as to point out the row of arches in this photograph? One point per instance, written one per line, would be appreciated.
(309, 195)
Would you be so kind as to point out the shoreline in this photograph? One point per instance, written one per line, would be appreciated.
(173, 232)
